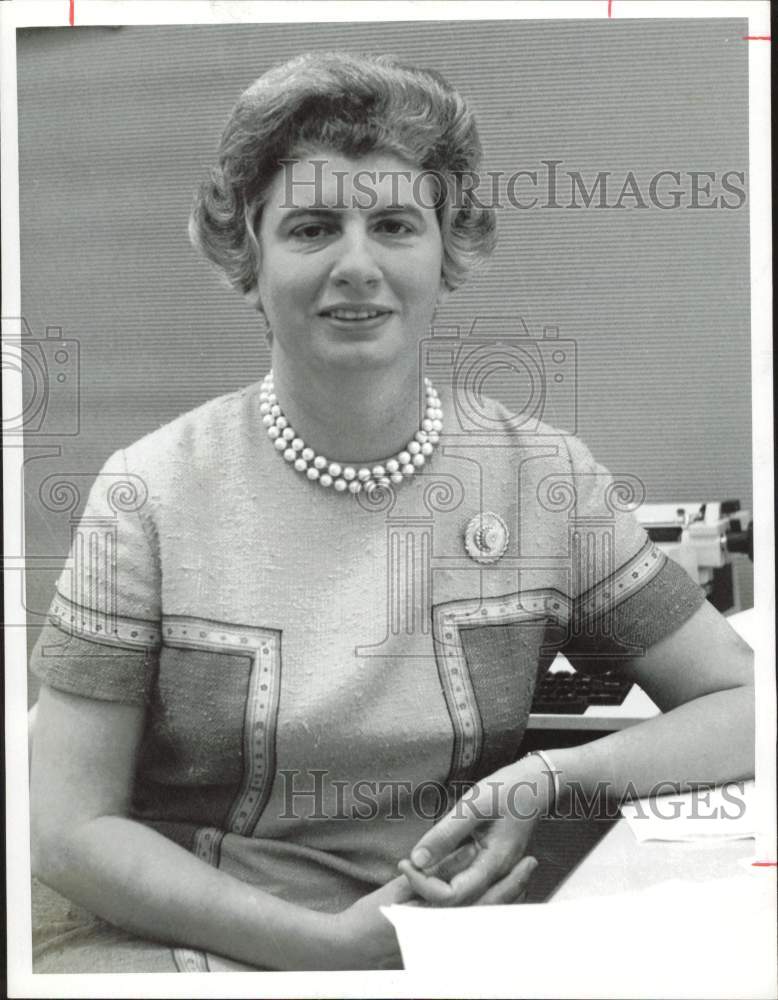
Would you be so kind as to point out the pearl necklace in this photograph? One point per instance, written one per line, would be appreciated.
(319, 469)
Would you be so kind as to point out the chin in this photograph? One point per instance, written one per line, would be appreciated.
(362, 354)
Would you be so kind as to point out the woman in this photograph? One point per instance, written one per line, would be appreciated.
(330, 596)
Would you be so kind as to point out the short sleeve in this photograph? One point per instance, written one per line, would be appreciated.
(626, 593)
(102, 634)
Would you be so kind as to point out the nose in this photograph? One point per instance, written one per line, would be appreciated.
(355, 264)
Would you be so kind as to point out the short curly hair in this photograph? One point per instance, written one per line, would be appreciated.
(352, 105)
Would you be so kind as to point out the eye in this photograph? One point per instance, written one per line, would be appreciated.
(311, 231)
(394, 227)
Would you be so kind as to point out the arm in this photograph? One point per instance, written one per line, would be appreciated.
(84, 846)
(701, 676)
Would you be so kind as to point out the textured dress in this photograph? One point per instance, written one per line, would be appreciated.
(320, 671)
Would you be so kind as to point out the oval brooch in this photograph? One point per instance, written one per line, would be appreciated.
(486, 537)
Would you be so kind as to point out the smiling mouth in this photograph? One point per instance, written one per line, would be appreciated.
(354, 315)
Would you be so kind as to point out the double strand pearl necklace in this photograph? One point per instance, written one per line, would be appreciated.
(321, 470)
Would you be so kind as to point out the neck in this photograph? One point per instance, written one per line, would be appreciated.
(353, 417)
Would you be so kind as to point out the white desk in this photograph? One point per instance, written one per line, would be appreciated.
(619, 863)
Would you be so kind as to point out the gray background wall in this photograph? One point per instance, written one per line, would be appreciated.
(117, 126)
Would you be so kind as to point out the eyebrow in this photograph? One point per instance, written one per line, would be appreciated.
(290, 215)
(397, 209)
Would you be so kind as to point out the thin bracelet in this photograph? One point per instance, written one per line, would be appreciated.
(551, 770)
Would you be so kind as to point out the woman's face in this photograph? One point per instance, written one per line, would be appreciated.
(351, 257)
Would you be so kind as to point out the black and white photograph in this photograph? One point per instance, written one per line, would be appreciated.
(388, 542)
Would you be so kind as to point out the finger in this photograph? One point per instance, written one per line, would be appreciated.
(455, 862)
(399, 890)
(488, 867)
(429, 887)
(444, 838)
(512, 888)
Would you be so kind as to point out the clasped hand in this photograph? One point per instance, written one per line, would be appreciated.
(474, 856)
(497, 817)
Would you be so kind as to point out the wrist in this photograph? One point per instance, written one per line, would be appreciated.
(320, 944)
(339, 941)
(549, 786)
(529, 788)
(578, 794)
(298, 939)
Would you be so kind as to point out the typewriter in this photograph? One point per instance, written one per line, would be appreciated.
(700, 537)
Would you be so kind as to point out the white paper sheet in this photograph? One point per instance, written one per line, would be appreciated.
(680, 939)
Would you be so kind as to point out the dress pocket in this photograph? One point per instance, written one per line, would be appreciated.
(487, 652)
(212, 723)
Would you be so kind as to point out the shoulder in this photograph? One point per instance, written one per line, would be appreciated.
(203, 437)
(183, 465)
(523, 434)
(555, 468)
(190, 460)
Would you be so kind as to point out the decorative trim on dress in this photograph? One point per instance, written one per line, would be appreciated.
(448, 620)
(99, 626)
(207, 845)
(545, 605)
(624, 582)
(263, 646)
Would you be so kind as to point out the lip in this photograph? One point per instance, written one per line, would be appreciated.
(355, 307)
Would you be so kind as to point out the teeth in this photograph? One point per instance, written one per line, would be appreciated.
(354, 313)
